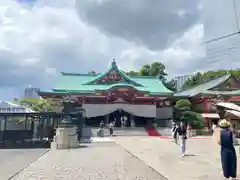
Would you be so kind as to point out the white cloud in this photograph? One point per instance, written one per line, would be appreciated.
(183, 56)
(38, 42)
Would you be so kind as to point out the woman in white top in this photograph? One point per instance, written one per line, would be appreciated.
(111, 128)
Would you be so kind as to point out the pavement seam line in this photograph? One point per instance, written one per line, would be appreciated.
(27, 165)
(132, 154)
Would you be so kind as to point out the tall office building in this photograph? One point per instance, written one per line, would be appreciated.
(180, 80)
(31, 92)
(221, 19)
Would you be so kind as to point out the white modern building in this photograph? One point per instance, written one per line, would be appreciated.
(221, 20)
(180, 80)
(31, 92)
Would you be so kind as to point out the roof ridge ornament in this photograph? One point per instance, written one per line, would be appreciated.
(114, 64)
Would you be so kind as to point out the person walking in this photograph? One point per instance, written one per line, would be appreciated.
(182, 134)
(101, 129)
(228, 152)
(111, 126)
(174, 132)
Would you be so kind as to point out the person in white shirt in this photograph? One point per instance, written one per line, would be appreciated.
(111, 126)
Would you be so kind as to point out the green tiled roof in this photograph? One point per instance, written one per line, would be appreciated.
(83, 83)
(203, 88)
(75, 83)
(113, 67)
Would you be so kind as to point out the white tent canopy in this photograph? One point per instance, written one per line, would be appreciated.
(228, 105)
(94, 110)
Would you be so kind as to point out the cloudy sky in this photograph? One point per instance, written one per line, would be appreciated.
(40, 38)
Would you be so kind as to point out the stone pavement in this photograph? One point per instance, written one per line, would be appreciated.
(202, 162)
(98, 161)
(14, 160)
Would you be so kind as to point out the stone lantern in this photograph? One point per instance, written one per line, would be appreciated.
(69, 131)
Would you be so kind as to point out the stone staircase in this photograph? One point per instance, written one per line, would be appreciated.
(129, 131)
(164, 131)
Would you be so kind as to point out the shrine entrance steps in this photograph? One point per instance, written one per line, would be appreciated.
(125, 131)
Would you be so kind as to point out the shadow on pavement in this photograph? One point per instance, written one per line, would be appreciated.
(189, 155)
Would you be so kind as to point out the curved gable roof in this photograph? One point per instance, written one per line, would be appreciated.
(203, 87)
(121, 73)
(84, 83)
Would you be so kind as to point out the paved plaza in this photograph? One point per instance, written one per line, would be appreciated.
(14, 160)
(129, 158)
(202, 161)
(100, 161)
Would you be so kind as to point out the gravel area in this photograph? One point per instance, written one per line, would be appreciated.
(14, 160)
(99, 161)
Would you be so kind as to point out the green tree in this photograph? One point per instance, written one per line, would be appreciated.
(200, 78)
(183, 105)
(38, 105)
(154, 69)
(158, 69)
(185, 113)
(133, 73)
(145, 70)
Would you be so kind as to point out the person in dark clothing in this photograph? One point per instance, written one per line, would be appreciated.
(182, 134)
(228, 153)
(174, 132)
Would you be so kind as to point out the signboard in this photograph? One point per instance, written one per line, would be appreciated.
(13, 110)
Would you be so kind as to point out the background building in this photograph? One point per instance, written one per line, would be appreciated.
(31, 92)
(180, 80)
(221, 33)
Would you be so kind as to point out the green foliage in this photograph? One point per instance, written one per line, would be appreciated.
(185, 113)
(154, 69)
(183, 103)
(38, 105)
(133, 73)
(193, 118)
(145, 70)
(200, 78)
(157, 69)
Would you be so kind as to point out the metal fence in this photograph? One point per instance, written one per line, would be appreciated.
(28, 130)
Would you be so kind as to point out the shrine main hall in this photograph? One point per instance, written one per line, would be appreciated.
(113, 96)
